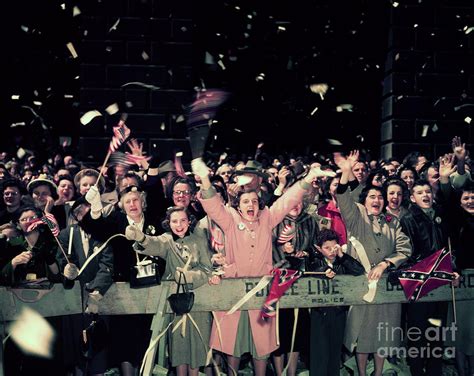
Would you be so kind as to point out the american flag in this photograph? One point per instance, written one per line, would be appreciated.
(287, 234)
(121, 133)
(428, 274)
(46, 219)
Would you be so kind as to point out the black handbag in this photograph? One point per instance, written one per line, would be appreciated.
(145, 273)
(181, 302)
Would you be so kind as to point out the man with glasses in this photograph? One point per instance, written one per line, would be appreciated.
(12, 190)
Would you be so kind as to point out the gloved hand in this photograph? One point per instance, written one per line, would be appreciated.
(93, 302)
(188, 274)
(316, 172)
(218, 259)
(71, 271)
(135, 234)
(199, 168)
(93, 198)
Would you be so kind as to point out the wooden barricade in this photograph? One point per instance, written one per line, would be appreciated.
(307, 292)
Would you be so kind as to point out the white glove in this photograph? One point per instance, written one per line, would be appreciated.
(93, 302)
(199, 168)
(71, 271)
(133, 233)
(218, 259)
(188, 274)
(316, 172)
(93, 198)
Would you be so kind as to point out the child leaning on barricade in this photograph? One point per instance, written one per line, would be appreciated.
(328, 323)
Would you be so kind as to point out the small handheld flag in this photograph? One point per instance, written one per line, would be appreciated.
(430, 273)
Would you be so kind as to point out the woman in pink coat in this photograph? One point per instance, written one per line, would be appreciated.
(248, 242)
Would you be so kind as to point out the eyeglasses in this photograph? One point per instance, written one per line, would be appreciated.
(8, 194)
(28, 219)
(179, 193)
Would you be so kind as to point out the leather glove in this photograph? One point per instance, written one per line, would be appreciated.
(199, 168)
(93, 198)
(133, 233)
(93, 302)
(71, 271)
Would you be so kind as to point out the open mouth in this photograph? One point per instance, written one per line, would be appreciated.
(250, 212)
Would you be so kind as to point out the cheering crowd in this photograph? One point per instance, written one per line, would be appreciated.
(229, 218)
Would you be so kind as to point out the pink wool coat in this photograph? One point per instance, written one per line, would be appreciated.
(248, 248)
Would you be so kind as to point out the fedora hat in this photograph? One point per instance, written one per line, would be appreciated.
(165, 167)
(252, 167)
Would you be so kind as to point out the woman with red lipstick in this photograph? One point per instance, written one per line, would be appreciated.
(377, 241)
(181, 242)
(247, 226)
(396, 196)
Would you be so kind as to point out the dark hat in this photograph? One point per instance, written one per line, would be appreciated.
(252, 167)
(130, 188)
(80, 201)
(13, 182)
(165, 167)
(43, 181)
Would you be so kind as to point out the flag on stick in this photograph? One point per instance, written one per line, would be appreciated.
(430, 273)
(201, 113)
(47, 219)
(121, 133)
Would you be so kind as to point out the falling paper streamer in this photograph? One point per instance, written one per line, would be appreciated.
(114, 26)
(88, 116)
(32, 333)
(112, 109)
(72, 50)
(142, 84)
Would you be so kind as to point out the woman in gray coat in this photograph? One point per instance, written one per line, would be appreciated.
(377, 241)
(185, 248)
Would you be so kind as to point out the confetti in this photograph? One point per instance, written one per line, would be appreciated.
(72, 50)
(24, 28)
(114, 26)
(237, 130)
(424, 132)
(162, 126)
(20, 153)
(435, 128)
(332, 141)
(88, 116)
(112, 109)
(314, 111)
(179, 154)
(320, 89)
(68, 96)
(15, 97)
(145, 56)
(344, 107)
(435, 322)
(468, 30)
(468, 120)
(221, 64)
(180, 119)
(242, 179)
(37, 103)
(32, 333)
(76, 11)
(20, 124)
